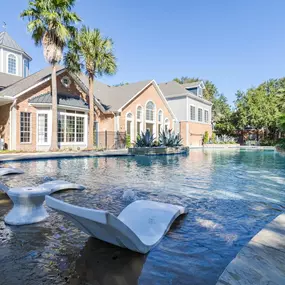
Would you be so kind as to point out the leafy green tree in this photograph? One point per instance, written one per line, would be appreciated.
(51, 23)
(281, 122)
(93, 54)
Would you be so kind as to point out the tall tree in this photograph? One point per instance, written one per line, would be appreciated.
(91, 53)
(51, 23)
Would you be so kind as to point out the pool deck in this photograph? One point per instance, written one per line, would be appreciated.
(53, 155)
(262, 260)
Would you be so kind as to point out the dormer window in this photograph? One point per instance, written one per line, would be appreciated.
(26, 68)
(12, 65)
(200, 91)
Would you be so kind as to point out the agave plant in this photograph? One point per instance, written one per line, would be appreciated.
(169, 138)
(145, 139)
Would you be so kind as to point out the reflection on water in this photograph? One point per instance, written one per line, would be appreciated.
(230, 195)
(102, 263)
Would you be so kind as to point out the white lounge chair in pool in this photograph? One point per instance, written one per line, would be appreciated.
(28, 202)
(51, 186)
(139, 227)
(10, 170)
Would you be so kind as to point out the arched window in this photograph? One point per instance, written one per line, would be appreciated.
(129, 125)
(139, 113)
(149, 111)
(166, 124)
(160, 121)
(139, 119)
(12, 66)
(26, 67)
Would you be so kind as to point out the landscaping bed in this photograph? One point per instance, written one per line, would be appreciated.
(160, 150)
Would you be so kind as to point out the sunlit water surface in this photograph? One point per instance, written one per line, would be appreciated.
(230, 196)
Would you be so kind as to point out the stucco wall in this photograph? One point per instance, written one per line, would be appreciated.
(148, 94)
(192, 133)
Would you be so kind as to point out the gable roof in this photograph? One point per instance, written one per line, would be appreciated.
(173, 89)
(192, 84)
(8, 79)
(62, 100)
(28, 82)
(8, 42)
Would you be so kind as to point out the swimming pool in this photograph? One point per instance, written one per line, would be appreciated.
(230, 194)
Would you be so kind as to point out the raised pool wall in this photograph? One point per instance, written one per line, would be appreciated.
(158, 150)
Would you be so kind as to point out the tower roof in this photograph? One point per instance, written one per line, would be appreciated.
(7, 42)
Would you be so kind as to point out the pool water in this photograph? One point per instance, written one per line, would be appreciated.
(230, 195)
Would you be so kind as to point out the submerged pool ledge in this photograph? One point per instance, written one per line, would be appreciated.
(53, 155)
(262, 260)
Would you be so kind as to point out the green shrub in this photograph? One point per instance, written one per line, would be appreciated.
(213, 138)
(169, 138)
(268, 142)
(206, 137)
(128, 141)
(281, 144)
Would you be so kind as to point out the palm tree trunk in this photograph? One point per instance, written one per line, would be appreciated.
(54, 143)
(91, 113)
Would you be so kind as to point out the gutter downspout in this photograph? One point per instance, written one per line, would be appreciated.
(10, 115)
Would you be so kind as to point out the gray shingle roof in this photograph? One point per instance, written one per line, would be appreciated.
(8, 79)
(28, 82)
(8, 42)
(113, 98)
(62, 100)
(172, 88)
(192, 84)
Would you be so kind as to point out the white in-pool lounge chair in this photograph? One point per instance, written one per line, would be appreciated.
(28, 202)
(51, 186)
(139, 227)
(10, 170)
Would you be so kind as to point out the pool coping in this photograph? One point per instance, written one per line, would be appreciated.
(260, 261)
(54, 155)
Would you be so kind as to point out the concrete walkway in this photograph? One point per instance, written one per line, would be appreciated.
(47, 155)
(262, 260)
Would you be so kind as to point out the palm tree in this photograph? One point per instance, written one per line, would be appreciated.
(91, 53)
(51, 23)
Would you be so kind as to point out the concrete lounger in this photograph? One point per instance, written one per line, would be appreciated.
(139, 227)
(10, 170)
(28, 202)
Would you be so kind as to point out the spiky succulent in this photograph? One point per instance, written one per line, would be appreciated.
(145, 139)
(169, 138)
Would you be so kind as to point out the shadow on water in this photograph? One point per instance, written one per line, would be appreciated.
(105, 264)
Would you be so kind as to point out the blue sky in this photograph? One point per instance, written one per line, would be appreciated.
(236, 44)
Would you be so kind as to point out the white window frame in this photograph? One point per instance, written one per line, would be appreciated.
(25, 61)
(206, 110)
(31, 129)
(201, 115)
(190, 117)
(7, 64)
(154, 117)
(66, 85)
(49, 114)
(65, 113)
(166, 124)
(161, 123)
(140, 120)
(132, 124)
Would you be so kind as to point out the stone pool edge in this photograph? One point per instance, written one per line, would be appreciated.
(260, 261)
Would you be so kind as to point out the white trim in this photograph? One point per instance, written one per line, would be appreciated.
(7, 63)
(160, 122)
(196, 113)
(38, 84)
(31, 128)
(140, 121)
(59, 107)
(166, 124)
(132, 125)
(2, 60)
(68, 79)
(49, 126)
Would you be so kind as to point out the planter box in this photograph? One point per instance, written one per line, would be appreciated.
(158, 150)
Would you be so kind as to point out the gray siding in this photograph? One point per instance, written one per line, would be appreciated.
(179, 107)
